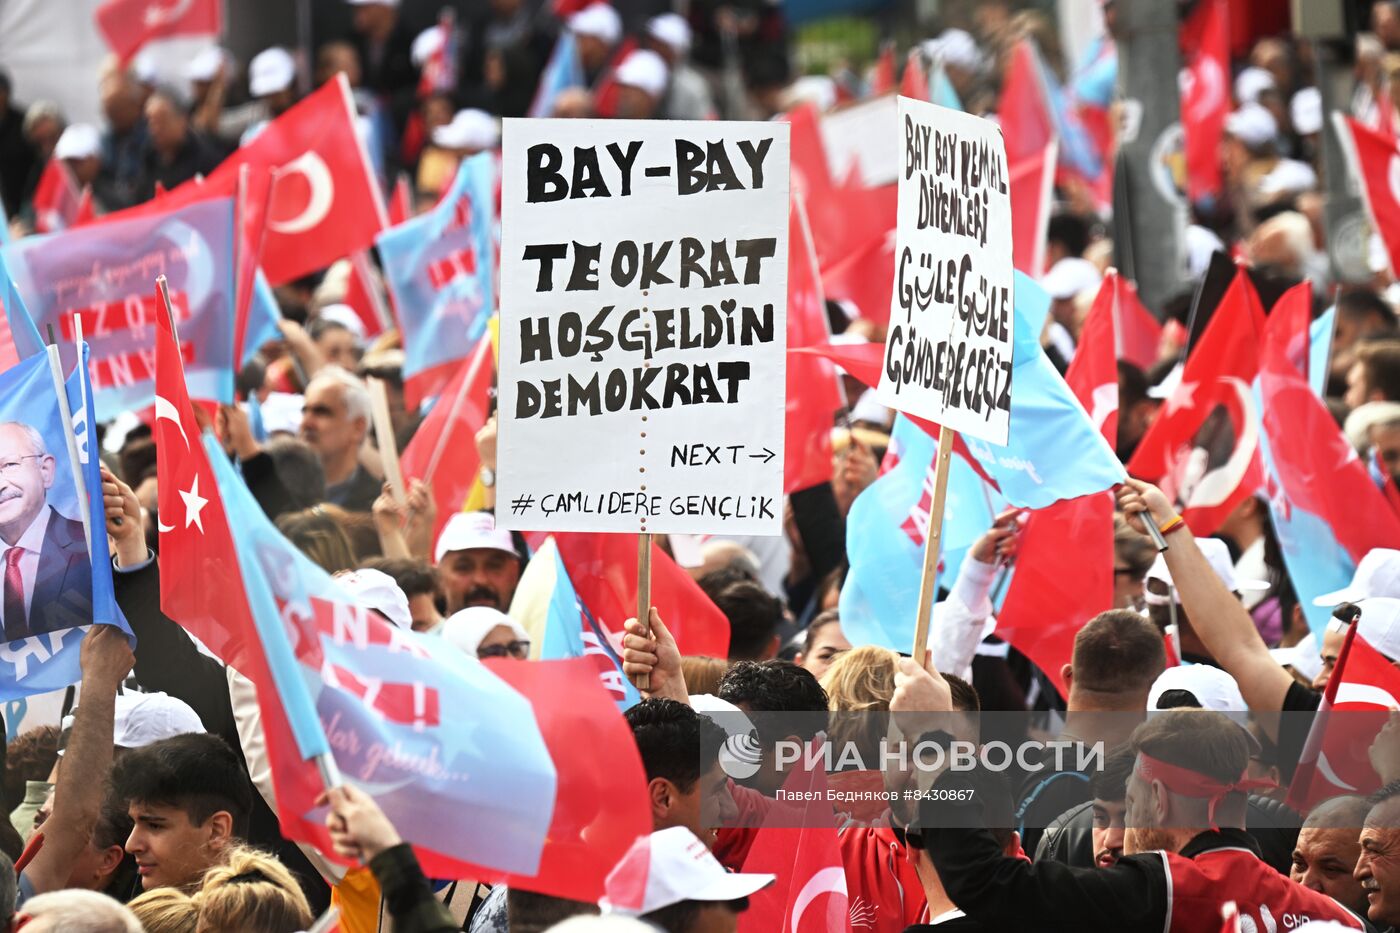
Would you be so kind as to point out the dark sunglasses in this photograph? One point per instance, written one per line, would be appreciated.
(516, 649)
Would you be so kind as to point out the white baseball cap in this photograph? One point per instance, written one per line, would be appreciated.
(644, 70)
(1303, 657)
(1289, 176)
(817, 90)
(79, 141)
(670, 866)
(469, 129)
(672, 29)
(1252, 125)
(144, 718)
(1380, 625)
(1305, 111)
(271, 70)
(955, 47)
(144, 68)
(468, 531)
(426, 45)
(1378, 574)
(205, 65)
(1218, 556)
(466, 628)
(345, 316)
(281, 412)
(375, 589)
(1212, 687)
(1201, 244)
(599, 20)
(1252, 82)
(1070, 276)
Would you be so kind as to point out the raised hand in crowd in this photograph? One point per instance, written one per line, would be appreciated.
(124, 523)
(388, 522)
(655, 654)
(359, 829)
(856, 469)
(998, 544)
(486, 452)
(236, 432)
(419, 518)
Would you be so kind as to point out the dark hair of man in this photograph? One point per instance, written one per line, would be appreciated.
(528, 912)
(774, 687)
(321, 326)
(722, 578)
(1199, 740)
(137, 460)
(964, 695)
(1070, 230)
(197, 773)
(1111, 781)
(1361, 303)
(753, 614)
(1117, 651)
(30, 756)
(300, 470)
(675, 742)
(1132, 385)
(829, 617)
(1381, 360)
(682, 917)
(416, 577)
(112, 828)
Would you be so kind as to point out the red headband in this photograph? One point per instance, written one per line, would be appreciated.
(1188, 783)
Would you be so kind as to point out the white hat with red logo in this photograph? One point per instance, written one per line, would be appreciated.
(668, 867)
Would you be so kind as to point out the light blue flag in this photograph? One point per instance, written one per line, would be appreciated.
(4, 226)
(885, 534)
(564, 70)
(571, 632)
(21, 326)
(1053, 449)
(940, 88)
(1320, 351)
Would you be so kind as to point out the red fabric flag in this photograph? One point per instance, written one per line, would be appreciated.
(1205, 98)
(914, 83)
(1024, 109)
(55, 198)
(1377, 162)
(127, 25)
(811, 173)
(443, 450)
(809, 894)
(603, 568)
(1137, 334)
(201, 586)
(364, 296)
(813, 388)
(326, 203)
(1064, 567)
(606, 90)
(600, 804)
(1203, 448)
(882, 81)
(1360, 695)
(853, 229)
(401, 201)
(86, 212)
(1032, 187)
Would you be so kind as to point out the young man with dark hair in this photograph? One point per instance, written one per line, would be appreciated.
(772, 687)
(420, 583)
(680, 753)
(190, 798)
(1091, 833)
(754, 615)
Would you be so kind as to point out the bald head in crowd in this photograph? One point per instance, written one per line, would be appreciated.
(1325, 855)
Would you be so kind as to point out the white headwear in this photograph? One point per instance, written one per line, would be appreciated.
(469, 129)
(817, 90)
(425, 46)
(672, 30)
(79, 141)
(465, 630)
(271, 70)
(1305, 111)
(644, 70)
(1251, 83)
(1252, 125)
(599, 20)
(955, 47)
(205, 65)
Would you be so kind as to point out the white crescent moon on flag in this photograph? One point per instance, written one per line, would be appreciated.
(1207, 97)
(166, 409)
(1105, 399)
(318, 204)
(1365, 693)
(1215, 487)
(827, 881)
(1324, 767)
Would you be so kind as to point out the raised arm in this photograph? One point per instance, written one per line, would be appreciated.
(1216, 614)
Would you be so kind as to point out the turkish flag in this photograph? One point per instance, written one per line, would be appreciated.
(1205, 98)
(365, 297)
(1093, 373)
(600, 802)
(56, 198)
(1361, 694)
(1377, 162)
(882, 81)
(1137, 334)
(443, 450)
(311, 196)
(914, 83)
(1031, 180)
(854, 232)
(811, 173)
(127, 25)
(1203, 447)
(603, 568)
(1024, 109)
(809, 894)
(401, 201)
(813, 388)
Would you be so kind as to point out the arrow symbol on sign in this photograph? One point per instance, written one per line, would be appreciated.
(767, 456)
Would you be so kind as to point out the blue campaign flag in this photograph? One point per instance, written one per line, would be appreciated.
(105, 274)
(1320, 351)
(65, 583)
(20, 331)
(885, 534)
(564, 70)
(422, 728)
(438, 267)
(1076, 145)
(1053, 449)
(571, 631)
(940, 88)
(263, 314)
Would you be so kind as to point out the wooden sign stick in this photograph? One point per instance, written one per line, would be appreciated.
(643, 681)
(384, 437)
(933, 542)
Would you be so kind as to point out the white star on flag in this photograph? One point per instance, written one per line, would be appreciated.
(1183, 397)
(194, 504)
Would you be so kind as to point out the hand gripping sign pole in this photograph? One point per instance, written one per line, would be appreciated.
(643, 681)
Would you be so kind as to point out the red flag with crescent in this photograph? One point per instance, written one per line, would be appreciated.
(127, 25)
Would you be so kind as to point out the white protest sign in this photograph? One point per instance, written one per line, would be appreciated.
(948, 353)
(643, 326)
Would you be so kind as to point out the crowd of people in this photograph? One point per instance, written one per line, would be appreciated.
(151, 806)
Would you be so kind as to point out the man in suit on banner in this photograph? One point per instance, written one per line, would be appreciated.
(47, 573)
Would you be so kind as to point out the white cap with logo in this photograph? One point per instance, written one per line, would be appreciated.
(1378, 574)
(670, 866)
(1217, 554)
(1379, 624)
(598, 20)
(271, 70)
(1212, 687)
(376, 590)
(141, 719)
